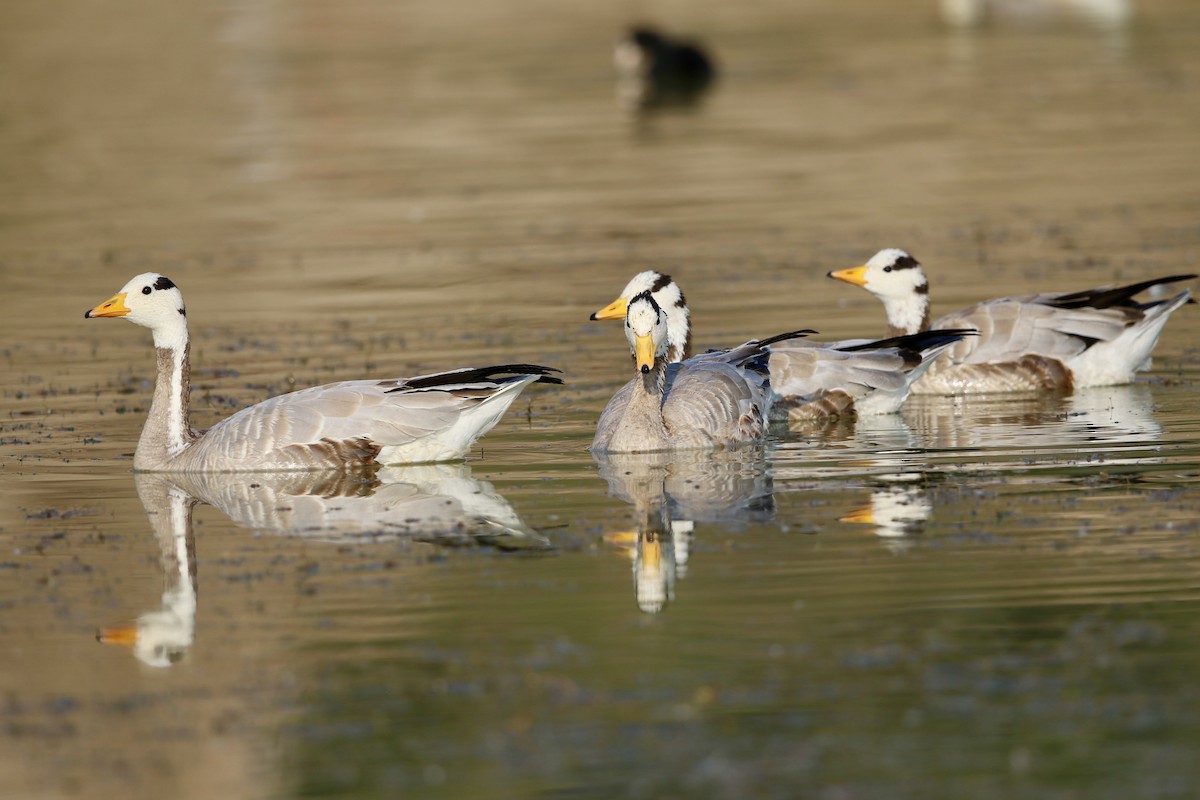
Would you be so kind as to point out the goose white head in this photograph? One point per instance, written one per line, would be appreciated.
(152, 301)
(896, 278)
(646, 331)
(669, 298)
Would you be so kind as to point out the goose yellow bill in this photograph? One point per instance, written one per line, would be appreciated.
(614, 310)
(855, 275)
(651, 553)
(125, 635)
(623, 539)
(643, 352)
(112, 307)
(863, 515)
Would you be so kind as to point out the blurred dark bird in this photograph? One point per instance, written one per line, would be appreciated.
(656, 70)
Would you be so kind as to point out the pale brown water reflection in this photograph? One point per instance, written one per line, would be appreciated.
(371, 190)
(436, 503)
(670, 493)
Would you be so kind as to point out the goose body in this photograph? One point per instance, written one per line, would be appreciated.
(708, 401)
(807, 380)
(433, 417)
(1095, 337)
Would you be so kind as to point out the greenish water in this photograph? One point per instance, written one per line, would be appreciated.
(994, 597)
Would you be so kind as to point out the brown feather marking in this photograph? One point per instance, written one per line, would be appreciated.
(1038, 372)
(831, 404)
(333, 452)
(1027, 373)
(1050, 373)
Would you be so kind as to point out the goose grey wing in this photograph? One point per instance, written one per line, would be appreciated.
(1013, 328)
(825, 382)
(802, 371)
(336, 422)
(712, 402)
(423, 418)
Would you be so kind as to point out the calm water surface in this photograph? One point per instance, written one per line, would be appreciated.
(986, 598)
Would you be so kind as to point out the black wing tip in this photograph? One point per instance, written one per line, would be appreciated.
(533, 369)
(925, 340)
(499, 372)
(521, 370)
(783, 337)
(1116, 297)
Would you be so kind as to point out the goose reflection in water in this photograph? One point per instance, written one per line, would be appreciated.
(670, 493)
(902, 459)
(435, 503)
(1104, 426)
(940, 437)
(896, 512)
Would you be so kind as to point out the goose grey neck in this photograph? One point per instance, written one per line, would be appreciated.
(165, 636)
(169, 509)
(910, 315)
(167, 432)
(641, 428)
(655, 381)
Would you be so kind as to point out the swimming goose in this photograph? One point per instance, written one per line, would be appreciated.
(433, 417)
(1096, 337)
(709, 401)
(808, 380)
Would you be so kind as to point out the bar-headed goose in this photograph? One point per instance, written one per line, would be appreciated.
(808, 380)
(670, 299)
(1095, 337)
(403, 420)
(708, 401)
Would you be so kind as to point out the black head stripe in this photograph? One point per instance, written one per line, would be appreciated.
(662, 282)
(647, 297)
(922, 288)
(905, 262)
(163, 282)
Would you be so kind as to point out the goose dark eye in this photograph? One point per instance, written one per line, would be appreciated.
(146, 290)
(887, 269)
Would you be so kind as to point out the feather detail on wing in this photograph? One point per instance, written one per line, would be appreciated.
(810, 380)
(1121, 296)
(471, 379)
(1055, 326)
(1011, 328)
(351, 422)
(715, 403)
